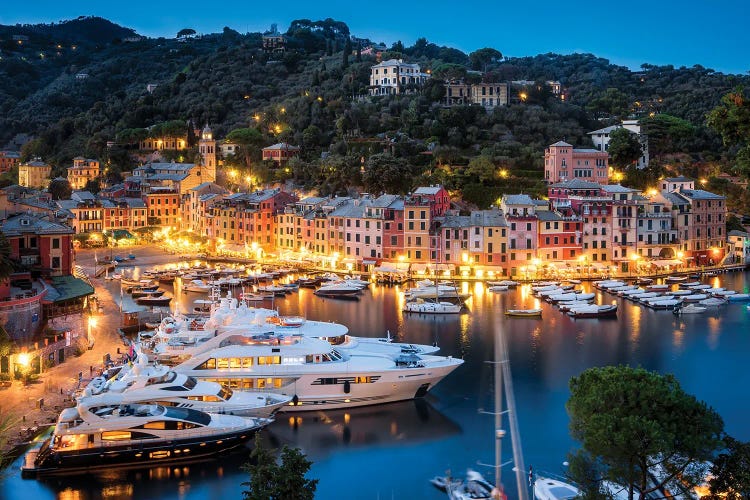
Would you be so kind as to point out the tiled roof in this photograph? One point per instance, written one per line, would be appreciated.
(699, 194)
(681, 178)
(561, 143)
(488, 218)
(427, 190)
(548, 215)
(617, 188)
(741, 234)
(517, 199)
(282, 145)
(576, 184)
(456, 221)
(31, 223)
(586, 150)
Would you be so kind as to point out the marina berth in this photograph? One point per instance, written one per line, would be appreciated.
(104, 432)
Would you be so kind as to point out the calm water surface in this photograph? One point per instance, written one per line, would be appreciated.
(391, 451)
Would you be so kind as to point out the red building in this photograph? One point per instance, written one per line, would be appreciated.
(163, 206)
(39, 243)
(280, 153)
(8, 160)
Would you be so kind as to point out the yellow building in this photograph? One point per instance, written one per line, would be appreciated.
(83, 171)
(34, 174)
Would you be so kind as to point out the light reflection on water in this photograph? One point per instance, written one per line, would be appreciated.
(415, 441)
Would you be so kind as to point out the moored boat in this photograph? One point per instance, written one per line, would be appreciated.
(689, 309)
(594, 311)
(108, 434)
(154, 301)
(524, 313)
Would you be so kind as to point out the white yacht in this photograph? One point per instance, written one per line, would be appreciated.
(177, 338)
(197, 285)
(241, 349)
(147, 383)
(107, 433)
(429, 307)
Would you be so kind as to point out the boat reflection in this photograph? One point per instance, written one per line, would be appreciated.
(324, 432)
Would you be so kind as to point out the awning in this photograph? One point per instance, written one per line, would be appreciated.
(432, 267)
(368, 262)
(67, 288)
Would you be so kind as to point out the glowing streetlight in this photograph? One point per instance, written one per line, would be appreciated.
(24, 359)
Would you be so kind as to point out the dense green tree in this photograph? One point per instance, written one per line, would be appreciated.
(346, 53)
(185, 32)
(631, 421)
(270, 480)
(250, 141)
(665, 133)
(610, 102)
(730, 472)
(624, 147)
(480, 59)
(385, 173)
(60, 189)
(92, 186)
(482, 169)
(731, 119)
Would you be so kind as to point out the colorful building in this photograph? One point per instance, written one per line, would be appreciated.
(563, 162)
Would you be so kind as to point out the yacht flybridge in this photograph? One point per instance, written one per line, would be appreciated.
(107, 432)
(315, 363)
(147, 383)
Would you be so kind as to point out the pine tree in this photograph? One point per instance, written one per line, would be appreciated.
(270, 480)
(347, 51)
(359, 52)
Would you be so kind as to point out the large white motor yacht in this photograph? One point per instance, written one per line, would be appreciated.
(147, 383)
(107, 433)
(254, 349)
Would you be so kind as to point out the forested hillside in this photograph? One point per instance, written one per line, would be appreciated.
(313, 95)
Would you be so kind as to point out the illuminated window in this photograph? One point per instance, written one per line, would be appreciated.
(222, 363)
(115, 435)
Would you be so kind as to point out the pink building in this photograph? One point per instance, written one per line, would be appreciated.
(563, 162)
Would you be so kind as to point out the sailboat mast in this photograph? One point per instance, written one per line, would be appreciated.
(499, 432)
(515, 435)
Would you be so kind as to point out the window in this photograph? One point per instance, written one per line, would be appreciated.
(55, 242)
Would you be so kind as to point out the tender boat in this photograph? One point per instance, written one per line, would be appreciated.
(146, 293)
(524, 313)
(497, 288)
(508, 283)
(108, 434)
(739, 297)
(644, 281)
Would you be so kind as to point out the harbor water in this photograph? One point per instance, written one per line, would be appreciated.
(391, 451)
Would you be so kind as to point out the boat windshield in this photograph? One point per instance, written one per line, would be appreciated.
(194, 416)
(190, 383)
(225, 393)
(162, 379)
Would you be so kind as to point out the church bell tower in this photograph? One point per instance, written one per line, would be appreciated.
(207, 149)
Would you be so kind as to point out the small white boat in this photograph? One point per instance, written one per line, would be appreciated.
(594, 311)
(690, 284)
(712, 302)
(689, 309)
(657, 288)
(524, 313)
(665, 304)
(508, 283)
(497, 288)
(739, 297)
(421, 306)
(198, 286)
(723, 293)
(676, 279)
(696, 297)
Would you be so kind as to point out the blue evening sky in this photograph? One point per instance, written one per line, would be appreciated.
(712, 33)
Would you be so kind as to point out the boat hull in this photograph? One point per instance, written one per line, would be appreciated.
(145, 453)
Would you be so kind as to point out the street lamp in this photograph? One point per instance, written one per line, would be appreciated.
(91, 326)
